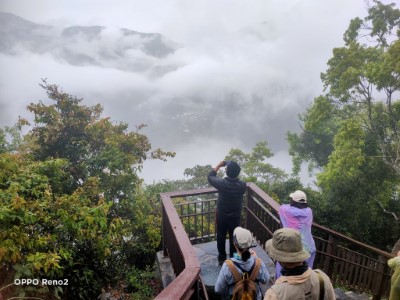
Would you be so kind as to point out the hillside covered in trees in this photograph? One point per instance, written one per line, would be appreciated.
(73, 205)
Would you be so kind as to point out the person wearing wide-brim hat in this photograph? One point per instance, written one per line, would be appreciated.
(298, 281)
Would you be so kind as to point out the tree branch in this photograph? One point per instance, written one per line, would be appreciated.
(396, 218)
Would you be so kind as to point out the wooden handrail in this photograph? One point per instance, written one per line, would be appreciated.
(180, 287)
(189, 193)
(271, 202)
(330, 250)
(267, 198)
(353, 241)
(263, 216)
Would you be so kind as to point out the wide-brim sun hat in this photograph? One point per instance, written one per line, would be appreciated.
(286, 246)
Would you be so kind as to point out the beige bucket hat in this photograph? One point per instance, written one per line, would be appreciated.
(286, 246)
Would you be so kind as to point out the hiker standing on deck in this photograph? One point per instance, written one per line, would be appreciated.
(243, 260)
(299, 216)
(298, 281)
(229, 204)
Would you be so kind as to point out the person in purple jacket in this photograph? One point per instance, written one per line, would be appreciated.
(299, 216)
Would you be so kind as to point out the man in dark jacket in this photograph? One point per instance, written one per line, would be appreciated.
(229, 204)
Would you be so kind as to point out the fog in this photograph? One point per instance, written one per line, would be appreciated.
(224, 74)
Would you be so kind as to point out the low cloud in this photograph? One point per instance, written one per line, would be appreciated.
(237, 74)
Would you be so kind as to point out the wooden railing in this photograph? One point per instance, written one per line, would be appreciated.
(349, 263)
(177, 247)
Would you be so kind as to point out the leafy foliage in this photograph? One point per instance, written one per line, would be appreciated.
(254, 165)
(93, 146)
(351, 133)
(366, 77)
(315, 143)
(142, 283)
(49, 236)
(10, 137)
(72, 204)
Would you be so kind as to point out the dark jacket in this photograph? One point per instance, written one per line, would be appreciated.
(230, 194)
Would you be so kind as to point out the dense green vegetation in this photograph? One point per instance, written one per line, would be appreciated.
(351, 135)
(73, 206)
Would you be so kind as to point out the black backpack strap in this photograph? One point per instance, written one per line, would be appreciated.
(241, 269)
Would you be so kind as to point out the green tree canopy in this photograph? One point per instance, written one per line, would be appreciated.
(254, 165)
(72, 204)
(93, 146)
(254, 168)
(351, 134)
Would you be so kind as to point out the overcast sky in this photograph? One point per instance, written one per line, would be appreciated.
(242, 71)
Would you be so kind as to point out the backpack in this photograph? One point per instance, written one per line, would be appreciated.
(245, 286)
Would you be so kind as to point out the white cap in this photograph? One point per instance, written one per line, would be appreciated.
(299, 196)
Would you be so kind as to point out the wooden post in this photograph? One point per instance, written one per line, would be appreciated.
(330, 250)
(246, 203)
(380, 285)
